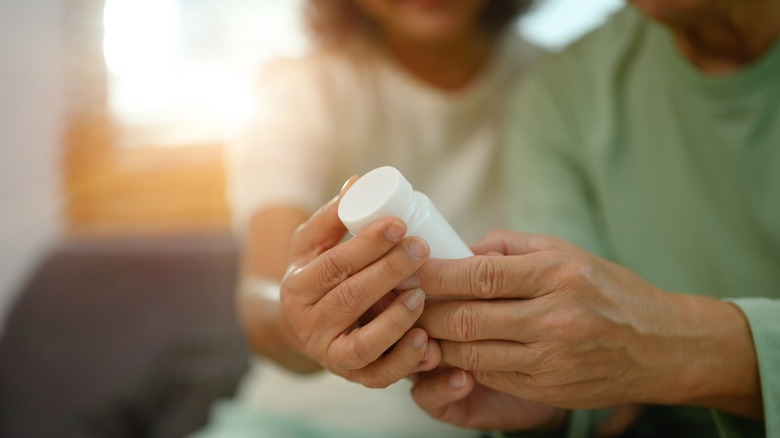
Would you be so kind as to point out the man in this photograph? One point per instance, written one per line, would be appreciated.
(653, 143)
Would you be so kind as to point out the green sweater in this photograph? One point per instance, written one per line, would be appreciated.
(621, 146)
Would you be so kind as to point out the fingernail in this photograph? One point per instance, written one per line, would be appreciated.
(347, 184)
(416, 248)
(395, 231)
(410, 282)
(458, 379)
(414, 299)
(419, 340)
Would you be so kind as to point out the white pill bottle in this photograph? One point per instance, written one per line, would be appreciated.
(384, 192)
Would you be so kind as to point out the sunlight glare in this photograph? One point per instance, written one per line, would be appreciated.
(140, 36)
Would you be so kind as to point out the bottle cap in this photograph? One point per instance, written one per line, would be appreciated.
(380, 193)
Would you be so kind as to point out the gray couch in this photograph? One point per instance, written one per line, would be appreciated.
(122, 337)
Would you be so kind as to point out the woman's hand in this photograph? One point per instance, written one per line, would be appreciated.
(339, 299)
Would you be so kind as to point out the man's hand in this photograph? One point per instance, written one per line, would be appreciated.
(451, 395)
(557, 325)
(331, 292)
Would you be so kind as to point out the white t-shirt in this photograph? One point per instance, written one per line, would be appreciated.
(328, 116)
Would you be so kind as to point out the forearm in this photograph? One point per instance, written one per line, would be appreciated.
(264, 261)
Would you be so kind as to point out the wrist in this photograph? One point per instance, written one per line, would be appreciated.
(266, 328)
(720, 368)
(261, 287)
(291, 352)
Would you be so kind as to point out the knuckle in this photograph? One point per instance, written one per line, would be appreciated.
(316, 351)
(391, 270)
(469, 356)
(399, 326)
(441, 415)
(584, 270)
(303, 332)
(348, 297)
(378, 380)
(464, 322)
(500, 239)
(358, 354)
(291, 285)
(558, 323)
(287, 295)
(334, 270)
(574, 273)
(482, 376)
(539, 242)
(548, 363)
(488, 278)
(300, 229)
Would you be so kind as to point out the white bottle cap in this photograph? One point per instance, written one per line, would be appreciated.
(380, 193)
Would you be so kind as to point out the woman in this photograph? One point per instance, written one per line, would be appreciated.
(416, 84)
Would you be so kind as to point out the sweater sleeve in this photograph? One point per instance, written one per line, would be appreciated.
(762, 315)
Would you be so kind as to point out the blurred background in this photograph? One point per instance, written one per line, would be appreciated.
(117, 263)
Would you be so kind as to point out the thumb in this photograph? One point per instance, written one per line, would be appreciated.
(517, 243)
(439, 392)
(323, 230)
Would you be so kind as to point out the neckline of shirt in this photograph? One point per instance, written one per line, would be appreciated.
(484, 82)
(753, 76)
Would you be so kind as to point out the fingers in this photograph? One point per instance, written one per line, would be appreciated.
(332, 292)
(476, 320)
(492, 277)
(440, 392)
(490, 356)
(400, 362)
(364, 345)
(405, 357)
(374, 280)
(315, 279)
(455, 396)
(432, 357)
(334, 310)
(517, 243)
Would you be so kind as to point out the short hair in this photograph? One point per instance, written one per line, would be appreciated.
(331, 22)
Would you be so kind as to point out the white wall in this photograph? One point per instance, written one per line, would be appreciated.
(31, 126)
(554, 24)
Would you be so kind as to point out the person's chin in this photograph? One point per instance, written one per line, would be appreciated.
(429, 4)
(436, 33)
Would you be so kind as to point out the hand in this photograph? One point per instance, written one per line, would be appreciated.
(451, 395)
(562, 327)
(331, 292)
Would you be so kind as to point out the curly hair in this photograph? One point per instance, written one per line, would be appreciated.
(331, 22)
